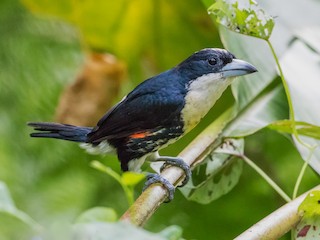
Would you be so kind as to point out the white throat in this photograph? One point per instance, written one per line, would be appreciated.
(202, 94)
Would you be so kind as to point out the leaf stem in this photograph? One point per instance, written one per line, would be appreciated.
(302, 172)
(287, 91)
(266, 177)
(292, 118)
(128, 191)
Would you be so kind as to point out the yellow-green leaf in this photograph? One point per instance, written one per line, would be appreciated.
(309, 226)
(131, 178)
(303, 128)
(311, 205)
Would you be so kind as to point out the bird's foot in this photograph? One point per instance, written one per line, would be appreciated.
(156, 178)
(177, 162)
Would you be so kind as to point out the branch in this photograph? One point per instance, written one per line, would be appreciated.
(150, 200)
(277, 223)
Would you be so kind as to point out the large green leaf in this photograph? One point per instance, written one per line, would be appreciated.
(300, 62)
(265, 109)
(301, 67)
(222, 173)
(303, 128)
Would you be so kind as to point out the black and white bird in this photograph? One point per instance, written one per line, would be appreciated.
(156, 113)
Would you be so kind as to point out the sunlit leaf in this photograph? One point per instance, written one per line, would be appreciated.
(222, 173)
(132, 178)
(311, 204)
(301, 69)
(309, 226)
(266, 109)
(303, 128)
(243, 16)
(98, 214)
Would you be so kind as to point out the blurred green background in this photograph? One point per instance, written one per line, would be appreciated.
(52, 181)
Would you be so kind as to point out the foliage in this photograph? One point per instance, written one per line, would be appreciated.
(53, 182)
(127, 180)
(222, 173)
(244, 17)
(309, 226)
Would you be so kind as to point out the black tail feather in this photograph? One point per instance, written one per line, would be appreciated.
(60, 131)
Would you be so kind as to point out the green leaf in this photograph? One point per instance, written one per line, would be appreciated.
(246, 88)
(108, 231)
(311, 205)
(267, 108)
(7, 206)
(301, 68)
(244, 16)
(132, 178)
(303, 128)
(98, 214)
(128, 180)
(299, 65)
(309, 226)
(222, 173)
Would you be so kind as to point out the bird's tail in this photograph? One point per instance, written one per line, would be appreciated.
(60, 131)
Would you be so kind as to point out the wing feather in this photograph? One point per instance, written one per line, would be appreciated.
(148, 107)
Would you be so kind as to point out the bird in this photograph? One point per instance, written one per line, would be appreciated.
(156, 113)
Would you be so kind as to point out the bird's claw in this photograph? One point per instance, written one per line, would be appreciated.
(156, 178)
(177, 162)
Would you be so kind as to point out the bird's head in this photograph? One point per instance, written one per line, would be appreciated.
(213, 63)
(205, 75)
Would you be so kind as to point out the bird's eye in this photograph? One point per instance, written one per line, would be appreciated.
(212, 61)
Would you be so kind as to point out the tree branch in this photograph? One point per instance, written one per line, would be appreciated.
(277, 223)
(150, 200)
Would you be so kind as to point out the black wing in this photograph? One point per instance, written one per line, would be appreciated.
(148, 107)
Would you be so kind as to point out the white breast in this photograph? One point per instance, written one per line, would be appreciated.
(202, 94)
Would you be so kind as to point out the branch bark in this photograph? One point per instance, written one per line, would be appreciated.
(150, 200)
(277, 223)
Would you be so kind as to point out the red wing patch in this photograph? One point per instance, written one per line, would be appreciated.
(140, 135)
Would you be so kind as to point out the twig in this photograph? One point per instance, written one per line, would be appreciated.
(149, 201)
(266, 178)
(277, 223)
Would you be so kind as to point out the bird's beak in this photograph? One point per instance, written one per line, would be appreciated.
(237, 68)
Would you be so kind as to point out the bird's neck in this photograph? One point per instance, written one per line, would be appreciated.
(201, 96)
